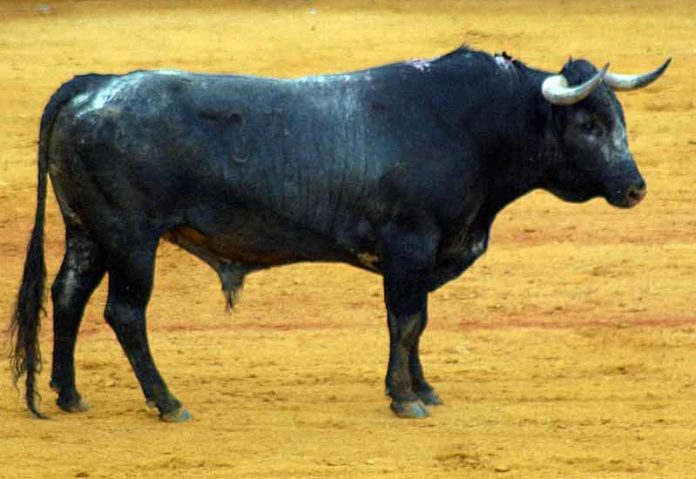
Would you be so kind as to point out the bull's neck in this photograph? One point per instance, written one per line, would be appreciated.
(519, 143)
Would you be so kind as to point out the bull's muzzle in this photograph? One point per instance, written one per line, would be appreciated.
(630, 196)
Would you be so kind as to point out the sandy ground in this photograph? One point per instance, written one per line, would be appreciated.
(568, 351)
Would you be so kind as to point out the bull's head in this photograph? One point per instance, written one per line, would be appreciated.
(589, 135)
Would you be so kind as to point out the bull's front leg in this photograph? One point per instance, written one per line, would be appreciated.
(407, 264)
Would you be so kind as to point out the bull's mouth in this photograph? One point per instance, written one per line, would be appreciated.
(573, 196)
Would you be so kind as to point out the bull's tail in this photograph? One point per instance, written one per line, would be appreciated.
(25, 355)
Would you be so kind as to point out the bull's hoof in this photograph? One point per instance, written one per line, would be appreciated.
(178, 415)
(410, 409)
(77, 405)
(429, 397)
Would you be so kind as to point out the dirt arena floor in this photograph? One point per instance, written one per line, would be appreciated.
(568, 351)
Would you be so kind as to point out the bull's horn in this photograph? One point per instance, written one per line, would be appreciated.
(556, 90)
(621, 82)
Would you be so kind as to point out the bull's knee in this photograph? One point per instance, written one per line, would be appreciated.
(405, 330)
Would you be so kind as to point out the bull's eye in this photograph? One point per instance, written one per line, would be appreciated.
(588, 126)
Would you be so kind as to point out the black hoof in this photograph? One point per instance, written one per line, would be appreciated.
(409, 409)
(178, 415)
(429, 397)
(73, 405)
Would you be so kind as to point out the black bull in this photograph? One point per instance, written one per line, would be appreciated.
(399, 170)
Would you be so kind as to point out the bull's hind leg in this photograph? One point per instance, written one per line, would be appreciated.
(82, 270)
(131, 273)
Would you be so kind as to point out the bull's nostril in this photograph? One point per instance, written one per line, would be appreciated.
(637, 192)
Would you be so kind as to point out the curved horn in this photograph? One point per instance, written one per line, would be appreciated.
(556, 90)
(621, 82)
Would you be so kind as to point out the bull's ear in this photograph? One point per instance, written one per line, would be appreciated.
(620, 82)
(556, 91)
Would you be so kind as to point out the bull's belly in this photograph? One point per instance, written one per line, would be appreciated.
(259, 246)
